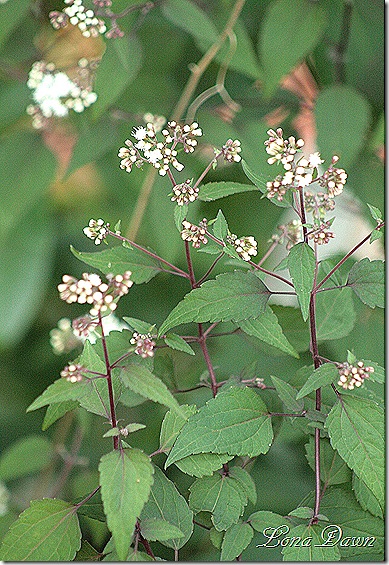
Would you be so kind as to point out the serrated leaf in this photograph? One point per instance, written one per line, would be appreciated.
(311, 547)
(324, 375)
(378, 376)
(367, 279)
(172, 424)
(138, 325)
(366, 498)
(55, 411)
(219, 495)
(61, 390)
(156, 529)
(302, 512)
(333, 469)
(176, 342)
(126, 476)
(375, 212)
(287, 395)
(301, 264)
(125, 55)
(202, 464)
(264, 520)
(143, 382)
(220, 227)
(87, 552)
(215, 190)
(166, 503)
(235, 540)
(231, 296)
(335, 314)
(117, 260)
(267, 329)
(298, 26)
(361, 533)
(356, 428)
(27, 455)
(234, 422)
(377, 234)
(246, 482)
(216, 537)
(47, 531)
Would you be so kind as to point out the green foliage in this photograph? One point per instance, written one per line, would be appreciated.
(310, 547)
(287, 395)
(324, 375)
(235, 540)
(176, 342)
(27, 455)
(333, 469)
(126, 476)
(301, 265)
(336, 315)
(231, 296)
(47, 531)
(367, 279)
(234, 422)
(215, 190)
(356, 429)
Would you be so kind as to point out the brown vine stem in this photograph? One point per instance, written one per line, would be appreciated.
(197, 72)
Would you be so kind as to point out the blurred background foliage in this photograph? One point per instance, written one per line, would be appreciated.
(314, 68)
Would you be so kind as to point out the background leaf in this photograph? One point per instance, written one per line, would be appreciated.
(301, 264)
(215, 190)
(335, 314)
(235, 540)
(25, 456)
(367, 279)
(333, 469)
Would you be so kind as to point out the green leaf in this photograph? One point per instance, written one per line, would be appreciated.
(172, 424)
(202, 464)
(143, 382)
(94, 140)
(287, 395)
(220, 227)
(267, 329)
(216, 537)
(60, 391)
(187, 16)
(231, 296)
(335, 314)
(25, 456)
(379, 372)
(12, 15)
(324, 375)
(125, 56)
(156, 529)
(367, 279)
(366, 498)
(235, 540)
(219, 495)
(356, 429)
(47, 531)
(375, 212)
(290, 31)
(340, 108)
(301, 264)
(55, 411)
(333, 470)
(87, 552)
(311, 546)
(246, 482)
(260, 180)
(92, 508)
(117, 260)
(176, 342)
(234, 422)
(302, 512)
(139, 325)
(351, 522)
(215, 190)
(126, 476)
(166, 503)
(264, 519)
(180, 213)
(377, 234)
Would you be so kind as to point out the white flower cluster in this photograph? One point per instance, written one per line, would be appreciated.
(231, 150)
(184, 193)
(351, 376)
(91, 290)
(96, 230)
(321, 233)
(54, 93)
(144, 344)
(247, 247)
(78, 15)
(299, 172)
(73, 373)
(63, 338)
(195, 234)
(160, 154)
